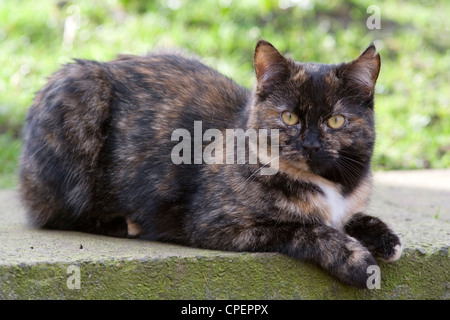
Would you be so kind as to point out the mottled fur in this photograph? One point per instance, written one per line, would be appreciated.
(97, 146)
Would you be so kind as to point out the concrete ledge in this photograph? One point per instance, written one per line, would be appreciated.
(34, 264)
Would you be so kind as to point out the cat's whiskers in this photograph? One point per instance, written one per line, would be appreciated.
(345, 169)
(253, 174)
(351, 159)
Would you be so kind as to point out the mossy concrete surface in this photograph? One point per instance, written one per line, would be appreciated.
(44, 264)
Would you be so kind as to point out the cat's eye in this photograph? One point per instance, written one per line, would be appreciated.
(289, 118)
(337, 121)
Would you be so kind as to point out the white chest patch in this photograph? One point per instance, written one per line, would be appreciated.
(337, 204)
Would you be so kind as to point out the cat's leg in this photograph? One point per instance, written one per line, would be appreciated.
(341, 255)
(375, 235)
(338, 253)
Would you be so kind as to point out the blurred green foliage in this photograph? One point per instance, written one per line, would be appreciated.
(413, 96)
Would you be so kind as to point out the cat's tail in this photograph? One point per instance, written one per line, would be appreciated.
(64, 134)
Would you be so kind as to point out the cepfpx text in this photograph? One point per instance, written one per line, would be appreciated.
(246, 309)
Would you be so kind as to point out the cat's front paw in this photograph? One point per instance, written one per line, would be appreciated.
(355, 270)
(389, 248)
(376, 236)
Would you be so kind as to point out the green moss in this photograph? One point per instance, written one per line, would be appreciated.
(238, 276)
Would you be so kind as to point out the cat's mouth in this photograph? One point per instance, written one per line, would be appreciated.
(317, 162)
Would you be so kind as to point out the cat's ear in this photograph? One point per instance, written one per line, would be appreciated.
(270, 66)
(363, 72)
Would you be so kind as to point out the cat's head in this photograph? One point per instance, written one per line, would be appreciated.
(324, 113)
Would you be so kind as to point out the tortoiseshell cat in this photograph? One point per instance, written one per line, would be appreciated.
(97, 157)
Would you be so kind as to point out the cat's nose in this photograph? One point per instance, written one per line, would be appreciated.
(311, 148)
(311, 144)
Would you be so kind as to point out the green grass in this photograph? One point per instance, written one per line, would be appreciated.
(413, 96)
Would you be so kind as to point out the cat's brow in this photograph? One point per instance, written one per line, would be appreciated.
(338, 107)
(282, 107)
